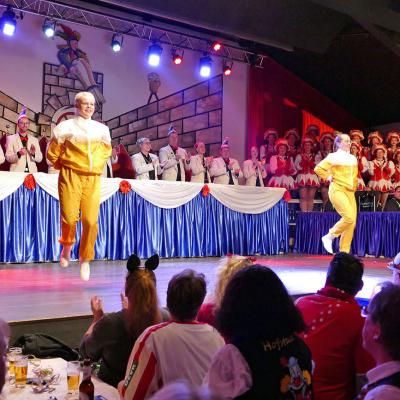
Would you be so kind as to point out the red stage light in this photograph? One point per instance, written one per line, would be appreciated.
(177, 59)
(227, 71)
(216, 46)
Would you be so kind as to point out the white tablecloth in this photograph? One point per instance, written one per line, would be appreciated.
(59, 367)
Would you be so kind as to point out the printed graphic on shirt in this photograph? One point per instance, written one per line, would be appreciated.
(130, 375)
(295, 385)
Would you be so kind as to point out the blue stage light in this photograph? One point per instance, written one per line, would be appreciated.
(49, 27)
(154, 55)
(116, 42)
(8, 22)
(205, 66)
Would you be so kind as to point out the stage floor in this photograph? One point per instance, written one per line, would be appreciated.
(44, 290)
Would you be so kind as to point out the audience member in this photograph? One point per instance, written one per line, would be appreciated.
(393, 203)
(381, 337)
(181, 390)
(4, 336)
(264, 359)
(334, 325)
(227, 268)
(110, 337)
(180, 349)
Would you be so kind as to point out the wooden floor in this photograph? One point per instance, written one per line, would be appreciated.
(41, 291)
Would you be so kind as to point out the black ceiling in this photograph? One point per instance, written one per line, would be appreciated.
(347, 49)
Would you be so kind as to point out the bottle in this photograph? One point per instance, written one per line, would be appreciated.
(86, 388)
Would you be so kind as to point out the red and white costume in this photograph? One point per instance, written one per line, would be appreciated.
(390, 148)
(362, 165)
(381, 172)
(266, 150)
(293, 149)
(396, 175)
(322, 154)
(167, 352)
(368, 151)
(282, 168)
(305, 163)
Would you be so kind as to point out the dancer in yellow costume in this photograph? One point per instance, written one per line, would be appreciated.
(79, 149)
(341, 169)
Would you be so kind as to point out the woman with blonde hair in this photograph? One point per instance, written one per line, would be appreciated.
(110, 338)
(226, 269)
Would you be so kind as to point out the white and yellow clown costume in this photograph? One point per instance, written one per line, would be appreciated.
(341, 168)
(79, 149)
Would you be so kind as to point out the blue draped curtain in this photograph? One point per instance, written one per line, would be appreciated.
(377, 233)
(30, 228)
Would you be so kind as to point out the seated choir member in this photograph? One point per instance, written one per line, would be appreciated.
(146, 164)
(225, 170)
(200, 165)
(254, 170)
(173, 157)
(23, 149)
(282, 167)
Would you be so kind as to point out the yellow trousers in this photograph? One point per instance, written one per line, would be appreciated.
(345, 204)
(79, 197)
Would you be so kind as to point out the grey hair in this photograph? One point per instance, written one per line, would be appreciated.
(142, 140)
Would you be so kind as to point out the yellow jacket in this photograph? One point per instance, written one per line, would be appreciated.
(342, 167)
(80, 144)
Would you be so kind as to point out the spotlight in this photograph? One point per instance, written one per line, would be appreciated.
(227, 68)
(177, 56)
(154, 54)
(8, 21)
(216, 45)
(49, 27)
(205, 66)
(116, 42)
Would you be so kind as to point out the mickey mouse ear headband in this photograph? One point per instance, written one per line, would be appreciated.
(134, 263)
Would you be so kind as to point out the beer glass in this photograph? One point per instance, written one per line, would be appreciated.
(21, 370)
(73, 372)
(13, 353)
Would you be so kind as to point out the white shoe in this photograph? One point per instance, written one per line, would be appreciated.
(85, 270)
(65, 256)
(327, 243)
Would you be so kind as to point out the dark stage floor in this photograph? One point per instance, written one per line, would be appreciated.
(39, 291)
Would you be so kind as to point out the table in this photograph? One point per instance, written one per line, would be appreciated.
(59, 367)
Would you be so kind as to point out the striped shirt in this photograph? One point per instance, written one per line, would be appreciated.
(167, 352)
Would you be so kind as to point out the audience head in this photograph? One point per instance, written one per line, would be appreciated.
(396, 193)
(256, 306)
(84, 104)
(185, 294)
(228, 268)
(4, 336)
(182, 390)
(342, 141)
(345, 272)
(140, 289)
(382, 326)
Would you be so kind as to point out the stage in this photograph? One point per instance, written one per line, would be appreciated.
(42, 297)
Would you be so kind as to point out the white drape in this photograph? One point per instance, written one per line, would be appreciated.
(163, 194)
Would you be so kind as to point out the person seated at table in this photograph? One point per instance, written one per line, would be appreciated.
(264, 358)
(23, 149)
(334, 322)
(146, 164)
(173, 157)
(200, 165)
(254, 170)
(4, 336)
(110, 337)
(225, 170)
(179, 349)
(393, 204)
(381, 339)
(227, 268)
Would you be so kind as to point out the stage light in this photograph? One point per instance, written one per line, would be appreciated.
(116, 42)
(154, 55)
(49, 27)
(8, 22)
(177, 56)
(216, 46)
(227, 68)
(205, 66)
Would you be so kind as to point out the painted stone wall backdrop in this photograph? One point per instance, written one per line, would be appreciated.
(59, 90)
(195, 112)
(9, 111)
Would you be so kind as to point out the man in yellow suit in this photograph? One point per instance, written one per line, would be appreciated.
(341, 169)
(79, 149)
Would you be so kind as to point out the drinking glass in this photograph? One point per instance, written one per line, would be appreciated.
(73, 373)
(21, 370)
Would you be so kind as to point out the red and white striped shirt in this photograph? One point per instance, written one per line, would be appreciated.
(167, 352)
